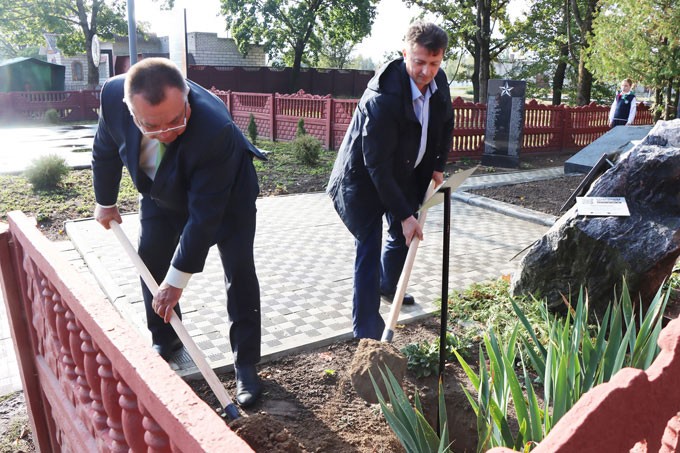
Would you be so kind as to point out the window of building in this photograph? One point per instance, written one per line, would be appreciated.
(77, 71)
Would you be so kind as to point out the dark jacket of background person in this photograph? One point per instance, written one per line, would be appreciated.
(623, 109)
(373, 172)
(185, 183)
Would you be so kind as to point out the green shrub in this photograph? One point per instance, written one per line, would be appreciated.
(46, 172)
(52, 116)
(423, 358)
(300, 131)
(306, 149)
(252, 129)
(479, 308)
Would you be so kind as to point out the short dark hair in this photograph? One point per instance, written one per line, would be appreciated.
(428, 35)
(150, 77)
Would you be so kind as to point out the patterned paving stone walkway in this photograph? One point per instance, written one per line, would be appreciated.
(304, 259)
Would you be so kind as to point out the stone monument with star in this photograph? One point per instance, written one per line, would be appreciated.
(504, 123)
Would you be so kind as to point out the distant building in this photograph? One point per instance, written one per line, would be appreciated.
(205, 49)
(30, 74)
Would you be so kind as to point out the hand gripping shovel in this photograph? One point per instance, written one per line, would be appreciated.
(429, 200)
(229, 408)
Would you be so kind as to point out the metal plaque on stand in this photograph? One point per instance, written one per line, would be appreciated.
(504, 123)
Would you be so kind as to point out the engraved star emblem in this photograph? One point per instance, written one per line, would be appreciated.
(505, 89)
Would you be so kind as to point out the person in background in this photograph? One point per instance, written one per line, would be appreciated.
(194, 170)
(622, 111)
(398, 141)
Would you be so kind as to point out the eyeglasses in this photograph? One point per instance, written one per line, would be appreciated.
(161, 131)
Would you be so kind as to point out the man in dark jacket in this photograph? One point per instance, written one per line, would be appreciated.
(194, 170)
(397, 142)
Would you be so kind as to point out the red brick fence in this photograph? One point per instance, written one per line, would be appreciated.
(91, 383)
(547, 129)
(71, 106)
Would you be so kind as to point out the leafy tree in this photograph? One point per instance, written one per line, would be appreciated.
(639, 39)
(16, 40)
(335, 53)
(75, 21)
(292, 31)
(473, 25)
(361, 62)
(556, 35)
(543, 37)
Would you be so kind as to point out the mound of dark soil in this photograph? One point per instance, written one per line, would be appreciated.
(311, 395)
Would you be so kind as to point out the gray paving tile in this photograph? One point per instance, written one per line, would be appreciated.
(304, 258)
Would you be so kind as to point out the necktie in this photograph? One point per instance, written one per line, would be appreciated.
(418, 108)
(160, 154)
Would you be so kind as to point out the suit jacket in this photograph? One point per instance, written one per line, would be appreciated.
(373, 172)
(206, 174)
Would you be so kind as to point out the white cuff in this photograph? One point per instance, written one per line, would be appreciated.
(177, 278)
(106, 207)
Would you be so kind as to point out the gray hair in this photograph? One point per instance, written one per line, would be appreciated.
(150, 77)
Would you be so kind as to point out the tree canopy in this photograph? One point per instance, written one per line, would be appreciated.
(292, 32)
(74, 21)
(638, 39)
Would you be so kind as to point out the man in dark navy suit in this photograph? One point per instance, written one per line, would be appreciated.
(194, 170)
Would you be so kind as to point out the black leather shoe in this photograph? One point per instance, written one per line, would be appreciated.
(167, 351)
(389, 298)
(248, 385)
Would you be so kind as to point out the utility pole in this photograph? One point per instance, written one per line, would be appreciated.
(132, 31)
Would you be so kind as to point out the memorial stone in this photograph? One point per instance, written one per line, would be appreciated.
(504, 123)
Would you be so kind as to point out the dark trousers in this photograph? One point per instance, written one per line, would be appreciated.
(159, 235)
(619, 123)
(375, 272)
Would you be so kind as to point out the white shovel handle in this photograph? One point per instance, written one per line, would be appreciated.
(188, 342)
(400, 292)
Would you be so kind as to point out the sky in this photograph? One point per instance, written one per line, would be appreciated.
(391, 22)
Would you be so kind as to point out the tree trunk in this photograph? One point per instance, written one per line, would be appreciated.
(677, 100)
(89, 28)
(585, 81)
(585, 25)
(560, 73)
(658, 100)
(295, 73)
(484, 75)
(668, 103)
(475, 75)
(92, 70)
(484, 41)
(563, 58)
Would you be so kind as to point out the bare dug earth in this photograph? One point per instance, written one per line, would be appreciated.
(310, 394)
(308, 398)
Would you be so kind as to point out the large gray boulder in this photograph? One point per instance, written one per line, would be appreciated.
(597, 252)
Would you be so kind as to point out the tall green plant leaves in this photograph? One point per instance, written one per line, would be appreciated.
(573, 358)
(645, 348)
(408, 423)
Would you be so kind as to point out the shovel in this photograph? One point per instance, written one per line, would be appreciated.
(373, 356)
(230, 409)
(431, 198)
